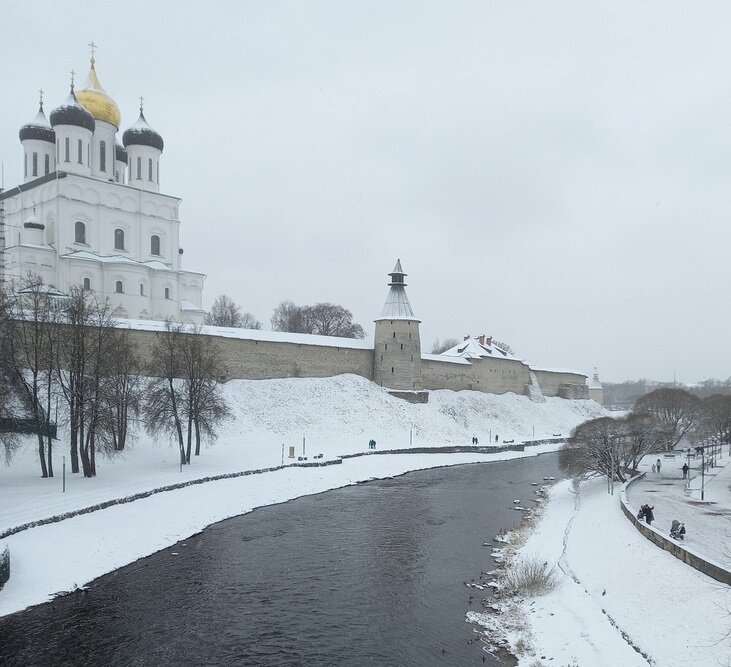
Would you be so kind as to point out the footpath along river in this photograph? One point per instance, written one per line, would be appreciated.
(366, 575)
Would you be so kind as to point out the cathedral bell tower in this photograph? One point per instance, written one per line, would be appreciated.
(397, 347)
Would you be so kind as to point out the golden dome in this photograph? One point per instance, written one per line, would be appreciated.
(93, 98)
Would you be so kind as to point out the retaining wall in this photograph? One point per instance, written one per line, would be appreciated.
(4, 565)
(687, 555)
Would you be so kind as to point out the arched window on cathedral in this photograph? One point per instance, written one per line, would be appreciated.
(119, 239)
(155, 244)
(47, 165)
(167, 293)
(142, 290)
(79, 232)
(118, 287)
(87, 284)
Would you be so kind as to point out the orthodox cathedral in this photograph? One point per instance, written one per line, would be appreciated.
(90, 212)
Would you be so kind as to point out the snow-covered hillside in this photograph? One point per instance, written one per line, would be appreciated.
(339, 415)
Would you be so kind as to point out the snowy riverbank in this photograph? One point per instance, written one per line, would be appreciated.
(620, 600)
(336, 416)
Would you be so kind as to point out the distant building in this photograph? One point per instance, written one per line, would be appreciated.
(90, 212)
(596, 391)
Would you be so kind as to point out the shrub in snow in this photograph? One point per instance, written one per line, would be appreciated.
(529, 578)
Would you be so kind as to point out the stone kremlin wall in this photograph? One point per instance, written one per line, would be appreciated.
(393, 361)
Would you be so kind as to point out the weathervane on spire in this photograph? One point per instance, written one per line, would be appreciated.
(93, 49)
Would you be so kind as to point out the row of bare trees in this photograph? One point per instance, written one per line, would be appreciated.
(660, 420)
(66, 349)
(322, 319)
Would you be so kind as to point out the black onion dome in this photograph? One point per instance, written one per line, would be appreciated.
(38, 128)
(72, 113)
(33, 222)
(120, 154)
(141, 134)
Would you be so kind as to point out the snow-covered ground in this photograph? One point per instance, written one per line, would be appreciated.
(335, 416)
(620, 600)
(618, 597)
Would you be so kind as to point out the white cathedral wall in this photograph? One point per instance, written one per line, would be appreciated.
(41, 149)
(107, 133)
(103, 208)
(72, 165)
(140, 158)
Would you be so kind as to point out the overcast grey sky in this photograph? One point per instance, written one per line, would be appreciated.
(555, 174)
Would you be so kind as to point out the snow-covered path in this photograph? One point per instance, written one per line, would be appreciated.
(618, 593)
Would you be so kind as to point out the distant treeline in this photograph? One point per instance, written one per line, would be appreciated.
(624, 395)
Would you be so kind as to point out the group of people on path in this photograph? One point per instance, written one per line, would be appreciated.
(646, 514)
(657, 466)
(677, 528)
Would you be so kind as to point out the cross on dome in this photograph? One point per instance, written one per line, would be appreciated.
(93, 49)
(72, 80)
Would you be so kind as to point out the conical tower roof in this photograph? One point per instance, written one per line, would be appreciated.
(397, 306)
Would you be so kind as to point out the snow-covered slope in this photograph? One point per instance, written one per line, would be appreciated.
(341, 414)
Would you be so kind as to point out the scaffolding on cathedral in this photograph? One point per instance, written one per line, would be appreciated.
(2, 230)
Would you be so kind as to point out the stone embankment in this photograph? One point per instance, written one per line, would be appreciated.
(686, 554)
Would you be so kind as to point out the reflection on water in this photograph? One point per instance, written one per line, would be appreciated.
(368, 575)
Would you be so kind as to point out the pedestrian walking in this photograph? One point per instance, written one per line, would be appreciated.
(654, 468)
(685, 470)
(658, 465)
(649, 516)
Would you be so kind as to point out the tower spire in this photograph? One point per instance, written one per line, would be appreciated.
(397, 306)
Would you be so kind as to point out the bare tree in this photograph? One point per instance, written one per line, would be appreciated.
(9, 403)
(715, 418)
(248, 321)
(505, 347)
(124, 392)
(225, 313)
(32, 356)
(442, 346)
(322, 319)
(163, 409)
(96, 417)
(596, 446)
(329, 319)
(676, 408)
(203, 406)
(289, 317)
(186, 367)
(643, 434)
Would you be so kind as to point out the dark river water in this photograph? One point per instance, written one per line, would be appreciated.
(366, 575)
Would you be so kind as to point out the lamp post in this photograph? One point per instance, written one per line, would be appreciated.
(703, 474)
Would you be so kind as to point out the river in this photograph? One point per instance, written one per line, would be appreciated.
(371, 574)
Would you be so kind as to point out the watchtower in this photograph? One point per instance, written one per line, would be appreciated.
(397, 346)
